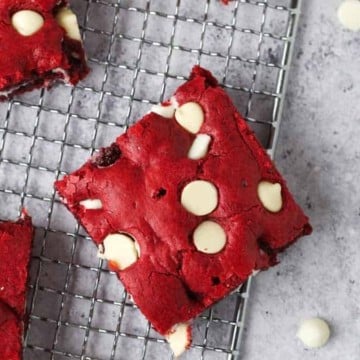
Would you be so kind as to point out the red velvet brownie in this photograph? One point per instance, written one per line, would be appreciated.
(185, 205)
(41, 43)
(15, 248)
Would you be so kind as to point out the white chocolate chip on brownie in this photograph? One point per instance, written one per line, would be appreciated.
(190, 116)
(209, 237)
(120, 249)
(27, 22)
(199, 197)
(167, 111)
(179, 338)
(68, 21)
(270, 196)
(91, 204)
(199, 147)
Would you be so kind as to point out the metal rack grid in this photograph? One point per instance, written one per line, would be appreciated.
(139, 52)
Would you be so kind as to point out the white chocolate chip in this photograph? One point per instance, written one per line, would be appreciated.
(68, 21)
(270, 196)
(314, 333)
(164, 111)
(179, 338)
(27, 22)
(349, 14)
(91, 204)
(199, 197)
(120, 249)
(199, 147)
(209, 237)
(190, 116)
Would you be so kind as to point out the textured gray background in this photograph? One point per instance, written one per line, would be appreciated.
(318, 152)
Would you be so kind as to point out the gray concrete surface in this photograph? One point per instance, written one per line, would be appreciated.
(318, 152)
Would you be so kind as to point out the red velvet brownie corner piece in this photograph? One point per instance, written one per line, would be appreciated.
(185, 205)
(15, 248)
(41, 43)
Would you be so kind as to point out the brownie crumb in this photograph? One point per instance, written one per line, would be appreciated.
(107, 156)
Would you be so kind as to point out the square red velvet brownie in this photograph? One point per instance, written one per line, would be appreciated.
(41, 43)
(185, 206)
(15, 249)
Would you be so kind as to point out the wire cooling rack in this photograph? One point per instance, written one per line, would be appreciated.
(139, 52)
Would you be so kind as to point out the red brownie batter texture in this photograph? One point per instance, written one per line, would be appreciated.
(189, 250)
(15, 249)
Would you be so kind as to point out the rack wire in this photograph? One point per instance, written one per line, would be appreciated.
(139, 52)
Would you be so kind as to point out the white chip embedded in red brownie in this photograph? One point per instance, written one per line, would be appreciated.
(41, 43)
(185, 206)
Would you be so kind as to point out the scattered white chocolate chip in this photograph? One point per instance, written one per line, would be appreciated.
(91, 204)
(209, 237)
(179, 338)
(349, 14)
(27, 22)
(120, 249)
(164, 111)
(314, 333)
(190, 116)
(270, 195)
(199, 197)
(68, 21)
(199, 147)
